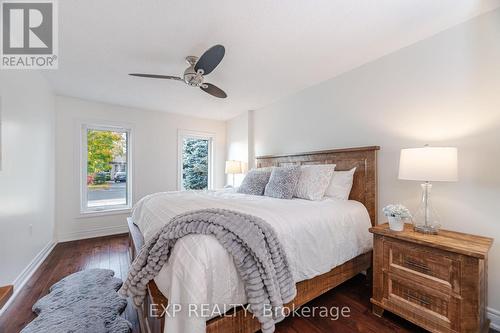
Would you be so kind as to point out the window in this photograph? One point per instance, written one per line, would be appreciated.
(106, 183)
(195, 160)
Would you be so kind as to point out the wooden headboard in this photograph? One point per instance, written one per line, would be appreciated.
(364, 188)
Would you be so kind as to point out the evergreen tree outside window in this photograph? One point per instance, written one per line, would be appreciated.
(196, 162)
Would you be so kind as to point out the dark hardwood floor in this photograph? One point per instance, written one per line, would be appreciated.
(112, 252)
(66, 258)
(354, 294)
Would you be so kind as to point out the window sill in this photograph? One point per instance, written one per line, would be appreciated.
(105, 212)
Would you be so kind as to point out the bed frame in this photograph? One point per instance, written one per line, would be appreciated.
(364, 190)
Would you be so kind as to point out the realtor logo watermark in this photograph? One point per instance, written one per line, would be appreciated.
(29, 34)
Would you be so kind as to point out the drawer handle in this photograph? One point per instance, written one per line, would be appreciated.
(422, 300)
(417, 265)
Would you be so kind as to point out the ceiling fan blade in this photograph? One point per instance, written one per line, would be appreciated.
(210, 59)
(154, 76)
(213, 90)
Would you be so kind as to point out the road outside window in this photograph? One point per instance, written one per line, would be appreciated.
(107, 169)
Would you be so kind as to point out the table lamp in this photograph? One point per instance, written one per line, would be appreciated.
(233, 168)
(428, 164)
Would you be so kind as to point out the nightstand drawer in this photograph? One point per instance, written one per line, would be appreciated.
(427, 304)
(438, 282)
(419, 263)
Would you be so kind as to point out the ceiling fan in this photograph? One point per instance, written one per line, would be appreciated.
(194, 75)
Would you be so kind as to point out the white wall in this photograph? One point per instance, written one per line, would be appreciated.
(27, 171)
(237, 136)
(443, 91)
(154, 158)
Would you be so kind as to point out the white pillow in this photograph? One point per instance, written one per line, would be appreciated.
(313, 181)
(341, 184)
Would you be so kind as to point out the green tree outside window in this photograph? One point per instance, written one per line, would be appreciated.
(195, 164)
(102, 148)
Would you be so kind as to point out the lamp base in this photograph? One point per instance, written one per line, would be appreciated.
(426, 229)
(426, 220)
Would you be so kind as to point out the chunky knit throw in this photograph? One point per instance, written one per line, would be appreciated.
(258, 256)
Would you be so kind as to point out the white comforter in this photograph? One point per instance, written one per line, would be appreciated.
(316, 235)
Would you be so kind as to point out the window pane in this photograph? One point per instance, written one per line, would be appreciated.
(106, 168)
(195, 162)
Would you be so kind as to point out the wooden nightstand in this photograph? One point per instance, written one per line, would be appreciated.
(438, 282)
(5, 294)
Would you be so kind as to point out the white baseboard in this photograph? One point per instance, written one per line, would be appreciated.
(494, 317)
(25, 275)
(92, 233)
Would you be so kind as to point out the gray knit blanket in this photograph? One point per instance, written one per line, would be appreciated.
(257, 253)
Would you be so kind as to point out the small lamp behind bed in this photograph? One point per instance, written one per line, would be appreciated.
(233, 167)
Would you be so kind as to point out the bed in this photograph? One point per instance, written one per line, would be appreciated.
(315, 274)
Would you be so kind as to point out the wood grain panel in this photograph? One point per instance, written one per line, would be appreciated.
(5, 294)
(440, 269)
(364, 159)
(466, 244)
(438, 282)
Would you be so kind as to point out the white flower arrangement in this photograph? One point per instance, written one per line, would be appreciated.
(397, 211)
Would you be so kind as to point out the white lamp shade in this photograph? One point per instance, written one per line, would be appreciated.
(429, 164)
(233, 167)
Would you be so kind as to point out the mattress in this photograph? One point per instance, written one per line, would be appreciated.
(200, 277)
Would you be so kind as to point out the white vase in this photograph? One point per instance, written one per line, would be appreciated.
(396, 223)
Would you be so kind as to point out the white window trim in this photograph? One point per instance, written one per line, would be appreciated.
(112, 209)
(182, 133)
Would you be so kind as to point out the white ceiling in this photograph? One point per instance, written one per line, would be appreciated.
(273, 48)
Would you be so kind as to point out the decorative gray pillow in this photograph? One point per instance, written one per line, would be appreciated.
(282, 182)
(255, 181)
